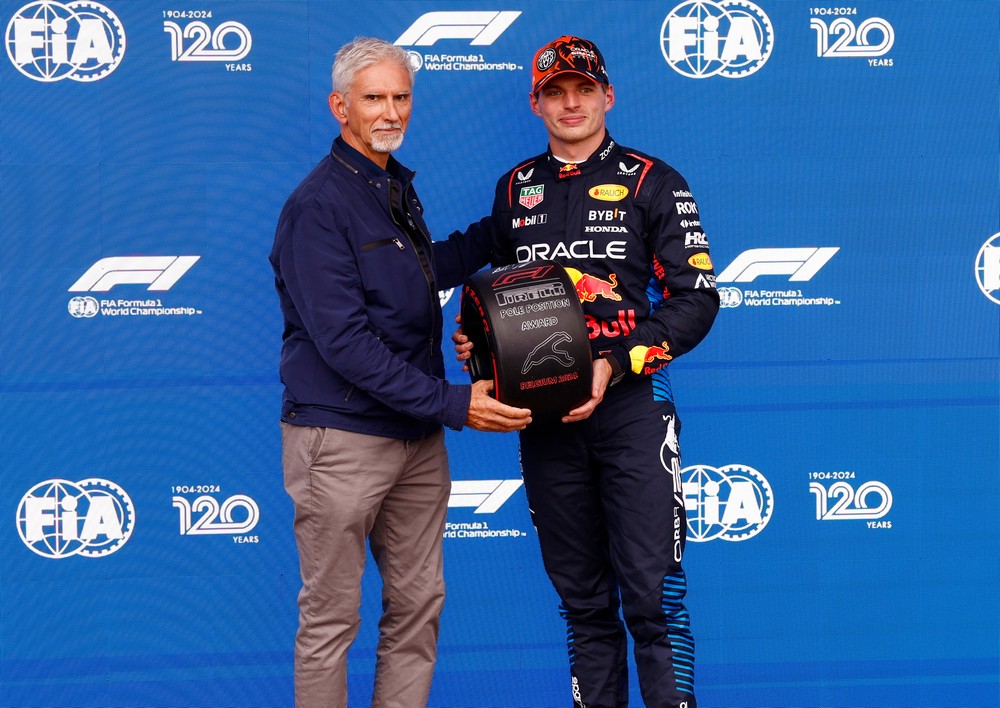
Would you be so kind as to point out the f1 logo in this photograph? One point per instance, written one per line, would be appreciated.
(799, 264)
(522, 274)
(483, 28)
(487, 495)
(160, 272)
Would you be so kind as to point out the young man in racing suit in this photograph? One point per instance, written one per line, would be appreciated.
(604, 484)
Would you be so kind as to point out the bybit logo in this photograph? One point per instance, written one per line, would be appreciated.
(51, 41)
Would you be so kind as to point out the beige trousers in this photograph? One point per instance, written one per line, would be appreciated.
(346, 488)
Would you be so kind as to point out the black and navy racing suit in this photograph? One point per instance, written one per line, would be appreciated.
(605, 493)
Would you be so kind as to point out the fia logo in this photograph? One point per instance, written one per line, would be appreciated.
(205, 515)
(205, 44)
(700, 39)
(730, 297)
(988, 268)
(51, 41)
(91, 518)
(83, 306)
(732, 503)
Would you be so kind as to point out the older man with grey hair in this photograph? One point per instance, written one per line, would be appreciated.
(365, 395)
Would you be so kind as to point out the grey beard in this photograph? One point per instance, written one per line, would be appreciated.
(385, 143)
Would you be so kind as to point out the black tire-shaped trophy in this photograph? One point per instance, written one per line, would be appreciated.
(529, 336)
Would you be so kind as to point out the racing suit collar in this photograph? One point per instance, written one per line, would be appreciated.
(596, 159)
(361, 165)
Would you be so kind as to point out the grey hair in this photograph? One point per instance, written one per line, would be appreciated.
(362, 52)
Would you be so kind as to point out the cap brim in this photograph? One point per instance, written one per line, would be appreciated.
(596, 78)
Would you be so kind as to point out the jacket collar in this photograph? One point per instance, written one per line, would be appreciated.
(595, 161)
(361, 165)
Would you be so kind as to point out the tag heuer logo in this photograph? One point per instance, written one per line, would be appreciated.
(531, 196)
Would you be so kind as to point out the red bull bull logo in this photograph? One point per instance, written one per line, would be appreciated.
(570, 169)
(589, 287)
(646, 360)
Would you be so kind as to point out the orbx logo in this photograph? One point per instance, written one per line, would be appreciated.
(700, 39)
(51, 41)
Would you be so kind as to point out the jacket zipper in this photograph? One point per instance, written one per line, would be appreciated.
(383, 242)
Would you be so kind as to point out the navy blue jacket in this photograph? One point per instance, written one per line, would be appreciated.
(358, 278)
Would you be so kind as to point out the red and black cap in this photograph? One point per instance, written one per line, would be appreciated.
(568, 54)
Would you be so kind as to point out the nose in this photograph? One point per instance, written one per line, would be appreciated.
(391, 113)
(571, 100)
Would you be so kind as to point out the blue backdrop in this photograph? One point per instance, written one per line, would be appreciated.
(841, 421)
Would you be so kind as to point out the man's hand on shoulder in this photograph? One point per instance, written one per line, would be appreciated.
(488, 414)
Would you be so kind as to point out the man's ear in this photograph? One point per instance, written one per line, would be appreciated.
(533, 100)
(338, 107)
